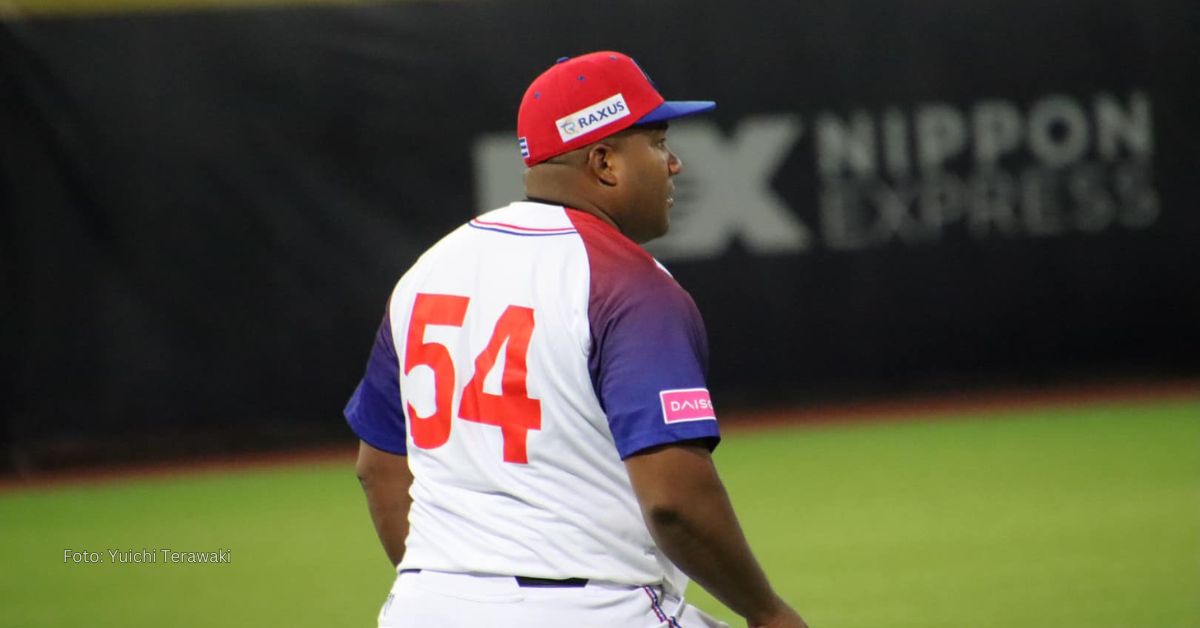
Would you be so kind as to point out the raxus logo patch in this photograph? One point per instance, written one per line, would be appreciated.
(592, 117)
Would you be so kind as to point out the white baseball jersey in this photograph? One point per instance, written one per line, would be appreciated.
(522, 358)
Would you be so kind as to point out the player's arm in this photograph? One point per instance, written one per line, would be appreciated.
(385, 479)
(648, 366)
(691, 519)
(375, 414)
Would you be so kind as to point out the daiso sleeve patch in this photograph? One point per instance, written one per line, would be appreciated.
(691, 404)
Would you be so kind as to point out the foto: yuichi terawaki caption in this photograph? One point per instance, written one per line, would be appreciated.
(159, 555)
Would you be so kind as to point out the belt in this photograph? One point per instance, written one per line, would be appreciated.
(536, 583)
(569, 583)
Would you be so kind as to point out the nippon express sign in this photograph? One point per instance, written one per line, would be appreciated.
(992, 168)
(592, 117)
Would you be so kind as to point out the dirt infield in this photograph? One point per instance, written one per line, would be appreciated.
(935, 407)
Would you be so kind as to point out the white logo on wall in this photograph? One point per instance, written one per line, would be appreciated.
(592, 117)
(991, 169)
(912, 176)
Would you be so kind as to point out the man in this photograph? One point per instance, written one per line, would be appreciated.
(535, 427)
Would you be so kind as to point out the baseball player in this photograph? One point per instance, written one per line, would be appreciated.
(534, 420)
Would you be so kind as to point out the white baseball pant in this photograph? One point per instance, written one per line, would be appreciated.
(432, 599)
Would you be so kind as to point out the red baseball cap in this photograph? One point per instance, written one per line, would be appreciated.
(584, 99)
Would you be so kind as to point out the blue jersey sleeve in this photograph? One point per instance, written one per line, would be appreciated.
(649, 348)
(375, 411)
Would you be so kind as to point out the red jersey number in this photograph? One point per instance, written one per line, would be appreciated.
(433, 309)
(512, 410)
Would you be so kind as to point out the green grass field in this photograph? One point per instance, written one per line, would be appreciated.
(1086, 517)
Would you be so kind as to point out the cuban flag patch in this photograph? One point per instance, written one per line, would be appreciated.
(524, 145)
(688, 404)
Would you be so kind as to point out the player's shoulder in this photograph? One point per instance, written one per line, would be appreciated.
(611, 252)
(621, 270)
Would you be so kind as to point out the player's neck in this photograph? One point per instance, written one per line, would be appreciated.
(552, 189)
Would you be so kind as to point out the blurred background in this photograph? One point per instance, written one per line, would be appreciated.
(205, 209)
(205, 205)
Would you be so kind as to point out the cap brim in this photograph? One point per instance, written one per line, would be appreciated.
(677, 109)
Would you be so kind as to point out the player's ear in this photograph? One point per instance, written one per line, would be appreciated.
(601, 163)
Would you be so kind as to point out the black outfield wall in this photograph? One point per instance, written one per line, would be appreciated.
(203, 213)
